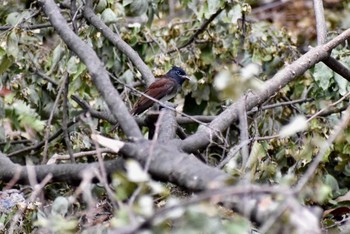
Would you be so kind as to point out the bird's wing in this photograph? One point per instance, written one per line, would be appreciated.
(158, 89)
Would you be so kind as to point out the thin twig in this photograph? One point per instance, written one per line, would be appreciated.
(327, 107)
(65, 119)
(73, 12)
(244, 134)
(15, 142)
(323, 150)
(41, 143)
(116, 40)
(330, 111)
(57, 157)
(270, 6)
(201, 29)
(148, 160)
(337, 67)
(48, 125)
(101, 174)
(45, 77)
(233, 151)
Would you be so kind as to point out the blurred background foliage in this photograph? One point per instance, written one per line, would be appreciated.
(245, 45)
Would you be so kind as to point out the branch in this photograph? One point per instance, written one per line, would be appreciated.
(169, 164)
(90, 16)
(167, 125)
(37, 146)
(224, 195)
(58, 157)
(323, 150)
(95, 67)
(204, 136)
(69, 173)
(338, 67)
(321, 29)
(26, 27)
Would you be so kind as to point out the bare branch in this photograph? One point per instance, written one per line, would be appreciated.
(204, 135)
(338, 67)
(96, 68)
(321, 29)
(68, 173)
(66, 117)
(167, 128)
(244, 133)
(48, 125)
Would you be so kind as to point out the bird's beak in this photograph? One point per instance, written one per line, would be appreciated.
(186, 77)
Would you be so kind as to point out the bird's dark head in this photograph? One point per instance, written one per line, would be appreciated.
(178, 74)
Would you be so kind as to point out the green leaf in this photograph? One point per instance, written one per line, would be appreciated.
(5, 63)
(72, 65)
(136, 7)
(57, 55)
(235, 13)
(108, 16)
(342, 83)
(80, 69)
(27, 116)
(256, 154)
(12, 44)
(213, 6)
(127, 77)
(13, 18)
(331, 182)
(322, 75)
(60, 206)
(101, 5)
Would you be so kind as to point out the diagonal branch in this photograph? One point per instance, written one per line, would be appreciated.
(95, 67)
(204, 136)
(118, 42)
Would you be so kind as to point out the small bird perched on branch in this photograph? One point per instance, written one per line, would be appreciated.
(163, 89)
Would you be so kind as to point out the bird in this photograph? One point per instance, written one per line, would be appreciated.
(163, 89)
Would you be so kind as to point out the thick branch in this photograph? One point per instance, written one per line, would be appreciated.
(169, 164)
(167, 125)
(69, 173)
(96, 69)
